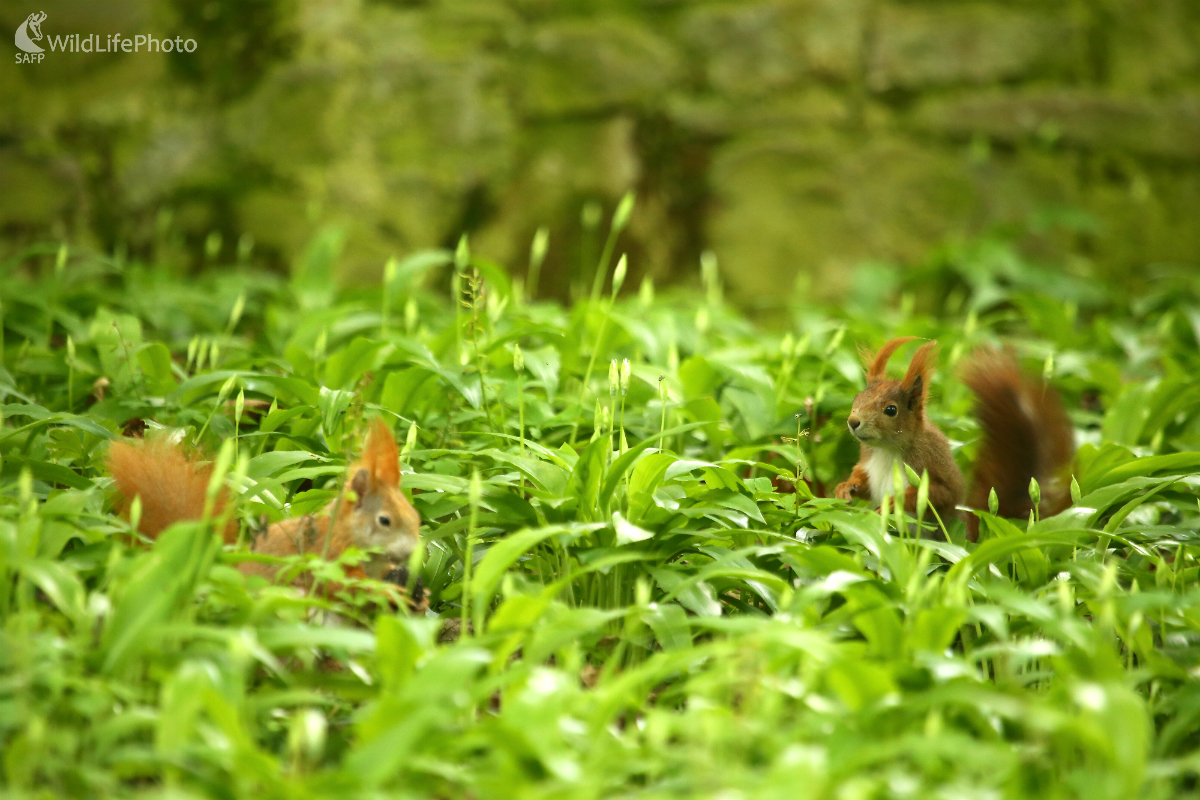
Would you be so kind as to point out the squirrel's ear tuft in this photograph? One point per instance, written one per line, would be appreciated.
(381, 456)
(878, 365)
(917, 377)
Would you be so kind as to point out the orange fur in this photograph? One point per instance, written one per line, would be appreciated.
(916, 379)
(905, 435)
(1026, 435)
(373, 493)
(373, 512)
(381, 456)
(172, 484)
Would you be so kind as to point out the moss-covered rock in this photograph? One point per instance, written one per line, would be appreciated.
(791, 136)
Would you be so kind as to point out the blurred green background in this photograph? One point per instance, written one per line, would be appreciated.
(797, 139)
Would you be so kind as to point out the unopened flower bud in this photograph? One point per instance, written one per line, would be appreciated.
(235, 315)
(539, 247)
(619, 275)
(462, 254)
(623, 212)
(412, 313)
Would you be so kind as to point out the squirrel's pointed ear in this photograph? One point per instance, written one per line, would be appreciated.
(878, 365)
(381, 455)
(361, 482)
(918, 375)
(916, 393)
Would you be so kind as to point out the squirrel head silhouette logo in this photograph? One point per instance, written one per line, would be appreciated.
(30, 31)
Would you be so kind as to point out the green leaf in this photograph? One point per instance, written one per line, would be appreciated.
(934, 629)
(647, 475)
(162, 582)
(547, 476)
(622, 464)
(670, 625)
(627, 532)
(698, 378)
(60, 584)
(155, 360)
(502, 555)
(881, 626)
(692, 593)
(345, 368)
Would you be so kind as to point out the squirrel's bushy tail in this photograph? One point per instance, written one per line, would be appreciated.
(1026, 434)
(172, 484)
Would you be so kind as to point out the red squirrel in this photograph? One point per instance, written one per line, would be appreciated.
(1026, 434)
(373, 511)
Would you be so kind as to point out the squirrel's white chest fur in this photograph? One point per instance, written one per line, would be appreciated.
(879, 473)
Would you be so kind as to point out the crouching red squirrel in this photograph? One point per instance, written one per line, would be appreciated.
(1026, 434)
(373, 512)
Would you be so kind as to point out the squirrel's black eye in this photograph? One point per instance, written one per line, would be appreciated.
(385, 521)
(890, 411)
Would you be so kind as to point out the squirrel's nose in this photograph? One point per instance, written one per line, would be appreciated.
(853, 422)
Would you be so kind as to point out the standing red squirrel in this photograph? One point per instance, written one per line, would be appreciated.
(373, 511)
(1026, 434)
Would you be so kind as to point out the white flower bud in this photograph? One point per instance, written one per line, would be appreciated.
(623, 212)
(412, 313)
(462, 254)
(923, 494)
(540, 246)
(239, 306)
(619, 275)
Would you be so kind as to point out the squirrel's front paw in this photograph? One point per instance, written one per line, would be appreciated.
(846, 490)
